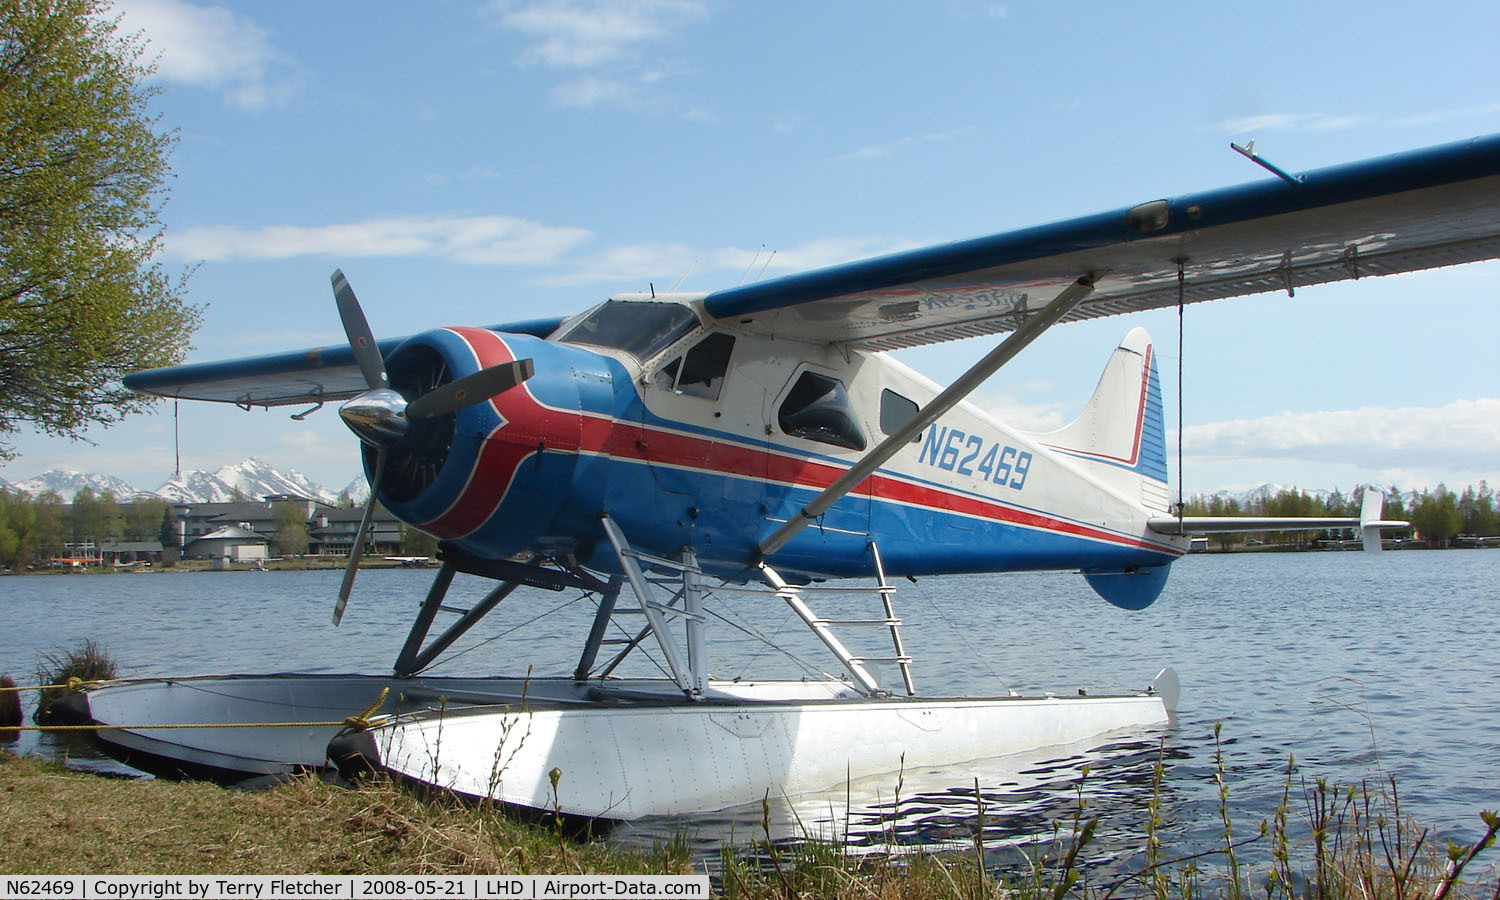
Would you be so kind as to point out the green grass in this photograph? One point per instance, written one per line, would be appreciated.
(89, 661)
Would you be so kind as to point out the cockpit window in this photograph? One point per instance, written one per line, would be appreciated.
(701, 372)
(639, 327)
(818, 408)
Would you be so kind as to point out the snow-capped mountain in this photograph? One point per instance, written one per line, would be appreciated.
(253, 479)
(358, 490)
(66, 483)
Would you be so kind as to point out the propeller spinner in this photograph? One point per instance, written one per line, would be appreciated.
(380, 416)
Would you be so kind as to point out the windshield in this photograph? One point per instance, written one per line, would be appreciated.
(639, 327)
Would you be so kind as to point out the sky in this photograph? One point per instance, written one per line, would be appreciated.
(484, 161)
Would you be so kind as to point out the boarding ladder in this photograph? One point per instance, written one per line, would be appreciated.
(823, 627)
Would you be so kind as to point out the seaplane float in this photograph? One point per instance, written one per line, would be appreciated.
(663, 451)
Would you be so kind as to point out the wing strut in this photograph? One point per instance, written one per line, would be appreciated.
(1028, 331)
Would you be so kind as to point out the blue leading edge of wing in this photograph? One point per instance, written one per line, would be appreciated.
(1435, 206)
(302, 376)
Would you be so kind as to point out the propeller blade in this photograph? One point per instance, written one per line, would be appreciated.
(357, 329)
(359, 540)
(470, 389)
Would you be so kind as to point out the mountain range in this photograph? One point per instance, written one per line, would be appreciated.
(252, 478)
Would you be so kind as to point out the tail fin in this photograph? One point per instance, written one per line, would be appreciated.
(1370, 521)
(1121, 434)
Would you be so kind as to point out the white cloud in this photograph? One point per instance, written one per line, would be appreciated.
(631, 266)
(605, 39)
(1444, 115)
(1288, 122)
(1459, 437)
(664, 263)
(1339, 122)
(210, 47)
(1007, 406)
(484, 240)
(583, 93)
(887, 150)
(585, 34)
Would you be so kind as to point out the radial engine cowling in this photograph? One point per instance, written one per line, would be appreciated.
(492, 476)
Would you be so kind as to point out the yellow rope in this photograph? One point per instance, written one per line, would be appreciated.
(352, 723)
(97, 727)
(72, 684)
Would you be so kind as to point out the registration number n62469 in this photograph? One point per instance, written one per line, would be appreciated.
(972, 455)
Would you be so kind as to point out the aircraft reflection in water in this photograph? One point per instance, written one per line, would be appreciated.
(676, 449)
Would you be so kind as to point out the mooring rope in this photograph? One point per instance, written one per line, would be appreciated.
(72, 684)
(361, 722)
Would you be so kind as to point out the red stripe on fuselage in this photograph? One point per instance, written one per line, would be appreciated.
(498, 460)
(688, 452)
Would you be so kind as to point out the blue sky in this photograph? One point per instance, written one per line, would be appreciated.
(482, 162)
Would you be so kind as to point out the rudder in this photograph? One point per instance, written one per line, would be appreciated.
(1121, 434)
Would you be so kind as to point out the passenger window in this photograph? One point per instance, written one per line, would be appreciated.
(818, 409)
(895, 411)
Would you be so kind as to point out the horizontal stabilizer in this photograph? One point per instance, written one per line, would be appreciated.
(1234, 524)
(1369, 523)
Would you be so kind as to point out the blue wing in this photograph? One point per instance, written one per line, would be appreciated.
(1434, 207)
(304, 376)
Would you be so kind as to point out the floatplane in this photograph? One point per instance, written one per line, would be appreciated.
(660, 451)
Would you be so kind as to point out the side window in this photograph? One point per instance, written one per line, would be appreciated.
(704, 366)
(818, 409)
(895, 411)
(701, 372)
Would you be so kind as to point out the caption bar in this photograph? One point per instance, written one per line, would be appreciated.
(353, 887)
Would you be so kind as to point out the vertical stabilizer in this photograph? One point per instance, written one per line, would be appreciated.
(1121, 434)
(1370, 522)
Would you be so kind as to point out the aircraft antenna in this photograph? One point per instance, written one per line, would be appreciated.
(752, 264)
(678, 283)
(766, 266)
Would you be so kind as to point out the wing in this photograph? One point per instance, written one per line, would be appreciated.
(1434, 207)
(304, 376)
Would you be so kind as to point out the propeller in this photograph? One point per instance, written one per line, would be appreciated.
(381, 415)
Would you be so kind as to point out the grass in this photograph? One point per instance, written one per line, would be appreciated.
(59, 821)
(1359, 846)
(89, 661)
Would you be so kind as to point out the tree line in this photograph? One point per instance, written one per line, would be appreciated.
(42, 526)
(1436, 514)
(38, 528)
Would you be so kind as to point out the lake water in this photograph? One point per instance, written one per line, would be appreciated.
(1364, 667)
